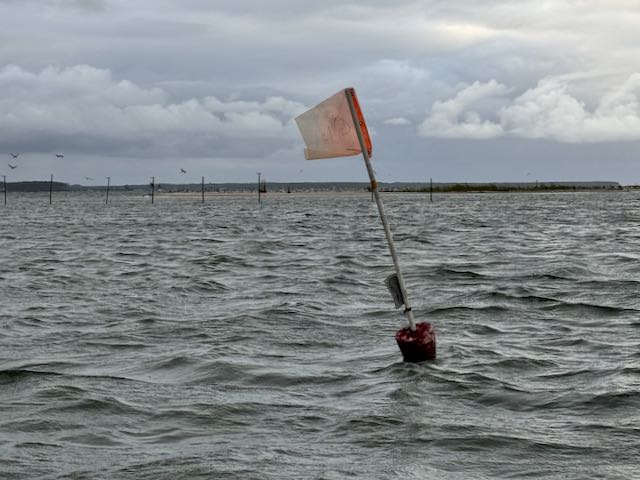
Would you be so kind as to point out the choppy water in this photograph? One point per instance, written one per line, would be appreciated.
(182, 341)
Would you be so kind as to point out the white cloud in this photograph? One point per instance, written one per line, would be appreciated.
(458, 118)
(550, 110)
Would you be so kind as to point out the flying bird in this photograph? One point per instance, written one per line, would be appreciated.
(12, 166)
(15, 155)
(183, 170)
(59, 155)
(88, 178)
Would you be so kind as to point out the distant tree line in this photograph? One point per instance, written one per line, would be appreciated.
(37, 186)
(493, 187)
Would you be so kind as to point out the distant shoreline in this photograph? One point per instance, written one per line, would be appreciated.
(286, 188)
(366, 193)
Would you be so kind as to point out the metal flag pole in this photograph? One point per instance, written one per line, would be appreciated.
(383, 217)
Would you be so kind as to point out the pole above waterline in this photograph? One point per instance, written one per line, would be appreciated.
(202, 189)
(383, 217)
(259, 186)
(4, 181)
(51, 189)
(106, 202)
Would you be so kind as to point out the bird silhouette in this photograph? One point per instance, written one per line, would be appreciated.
(15, 155)
(59, 155)
(88, 178)
(183, 170)
(12, 166)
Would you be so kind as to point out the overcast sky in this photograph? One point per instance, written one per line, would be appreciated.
(459, 90)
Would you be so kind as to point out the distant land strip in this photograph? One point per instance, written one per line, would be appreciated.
(302, 187)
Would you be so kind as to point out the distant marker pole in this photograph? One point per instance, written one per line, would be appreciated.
(106, 202)
(417, 343)
(431, 189)
(51, 189)
(153, 187)
(202, 189)
(4, 181)
(259, 187)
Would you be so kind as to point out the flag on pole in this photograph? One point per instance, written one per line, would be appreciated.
(328, 130)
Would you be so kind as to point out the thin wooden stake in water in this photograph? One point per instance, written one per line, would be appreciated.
(374, 188)
(202, 189)
(259, 186)
(50, 189)
(106, 202)
(153, 187)
(4, 180)
(431, 189)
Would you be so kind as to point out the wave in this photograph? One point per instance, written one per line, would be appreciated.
(16, 375)
(485, 309)
(459, 272)
(584, 308)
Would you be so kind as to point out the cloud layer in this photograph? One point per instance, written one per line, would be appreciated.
(547, 111)
(79, 102)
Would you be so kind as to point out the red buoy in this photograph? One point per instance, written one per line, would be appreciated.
(418, 345)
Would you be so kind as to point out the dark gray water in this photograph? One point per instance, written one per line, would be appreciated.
(181, 341)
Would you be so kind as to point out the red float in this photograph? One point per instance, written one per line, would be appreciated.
(418, 345)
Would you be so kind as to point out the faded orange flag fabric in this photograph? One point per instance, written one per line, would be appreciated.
(328, 129)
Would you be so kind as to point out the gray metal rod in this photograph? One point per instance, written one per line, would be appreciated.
(383, 217)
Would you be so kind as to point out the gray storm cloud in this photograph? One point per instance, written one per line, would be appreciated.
(83, 101)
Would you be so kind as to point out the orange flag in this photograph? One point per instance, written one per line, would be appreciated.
(328, 128)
